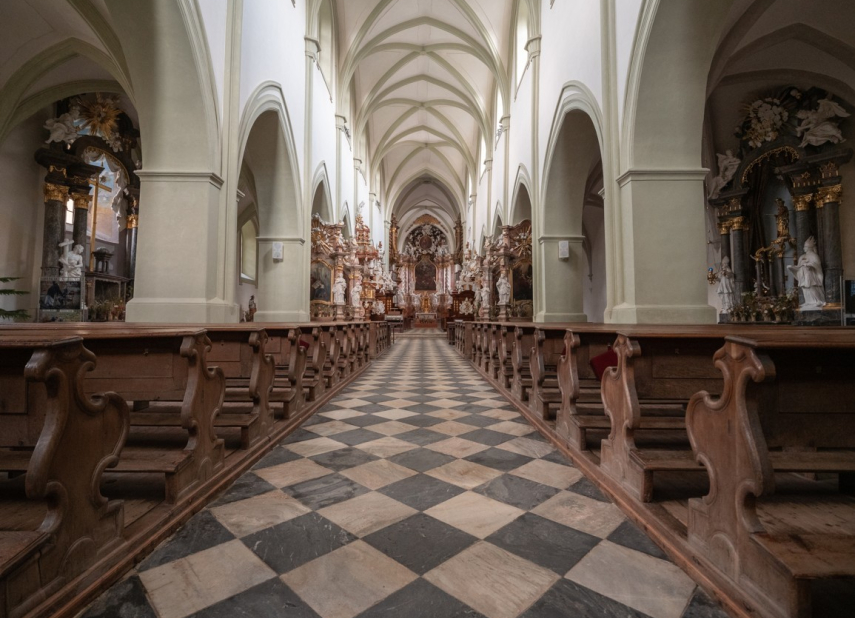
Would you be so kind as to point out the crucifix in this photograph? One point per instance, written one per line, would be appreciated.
(98, 185)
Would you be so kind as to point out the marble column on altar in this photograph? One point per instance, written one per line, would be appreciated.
(801, 204)
(80, 227)
(56, 196)
(724, 231)
(828, 211)
(739, 255)
(133, 223)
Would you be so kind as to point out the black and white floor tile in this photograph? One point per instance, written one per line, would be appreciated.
(418, 492)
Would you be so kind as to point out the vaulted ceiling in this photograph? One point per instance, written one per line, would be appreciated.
(767, 44)
(422, 78)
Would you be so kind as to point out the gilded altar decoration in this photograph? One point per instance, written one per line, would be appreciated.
(100, 117)
(347, 274)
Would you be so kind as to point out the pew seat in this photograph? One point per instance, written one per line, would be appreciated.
(247, 423)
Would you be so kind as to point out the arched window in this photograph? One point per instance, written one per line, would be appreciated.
(249, 252)
(326, 56)
(521, 39)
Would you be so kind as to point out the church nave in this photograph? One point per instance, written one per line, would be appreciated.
(417, 492)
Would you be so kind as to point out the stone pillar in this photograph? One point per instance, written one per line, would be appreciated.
(738, 256)
(179, 248)
(56, 196)
(828, 204)
(661, 278)
(801, 203)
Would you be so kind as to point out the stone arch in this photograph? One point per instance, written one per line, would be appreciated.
(573, 154)
(321, 196)
(271, 158)
(521, 201)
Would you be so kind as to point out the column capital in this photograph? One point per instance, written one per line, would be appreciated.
(827, 195)
(81, 200)
(802, 202)
(738, 224)
(532, 46)
(724, 227)
(133, 221)
(56, 193)
(313, 48)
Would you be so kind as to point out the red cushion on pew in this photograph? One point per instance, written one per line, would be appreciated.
(305, 344)
(602, 362)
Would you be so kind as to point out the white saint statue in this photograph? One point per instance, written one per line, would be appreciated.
(808, 274)
(727, 165)
(71, 261)
(725, 286)
(504, 288)
(817, 127)
(485, 295)
(339, 290)
(356, 293)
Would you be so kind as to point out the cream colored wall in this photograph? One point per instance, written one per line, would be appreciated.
(21, 212)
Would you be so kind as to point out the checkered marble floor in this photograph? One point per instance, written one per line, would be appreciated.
(417, 492)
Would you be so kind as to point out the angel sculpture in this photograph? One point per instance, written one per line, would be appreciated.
(817, 127)
(62, 129)
(727, 165)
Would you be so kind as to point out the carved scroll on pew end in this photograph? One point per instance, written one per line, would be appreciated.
(777, 395)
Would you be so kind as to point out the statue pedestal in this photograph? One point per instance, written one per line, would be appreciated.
(724, 318)
(503, 313)
(339, 313)
(819, 317)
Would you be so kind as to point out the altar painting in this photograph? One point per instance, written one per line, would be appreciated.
(425, 276)
(320, 287)
(522, 287)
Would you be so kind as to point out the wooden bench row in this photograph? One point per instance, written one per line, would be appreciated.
(728, 415)
(82, 405)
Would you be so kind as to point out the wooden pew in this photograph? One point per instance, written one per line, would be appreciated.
(314, 381)
(664, 370)
(239, 350)
(778, 395)
(290, 359)
(505, 356)
(581, 406)
(493, 364)
(582, 410)
(347, 352)
(78, 437)
(166, 369)
(545, 395)
(523, 344)
(332, 341)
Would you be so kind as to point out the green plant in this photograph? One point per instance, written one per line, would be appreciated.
(13, 314)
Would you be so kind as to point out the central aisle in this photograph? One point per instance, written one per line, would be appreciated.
(418, 492)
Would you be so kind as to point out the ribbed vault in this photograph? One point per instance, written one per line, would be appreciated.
(421, 81)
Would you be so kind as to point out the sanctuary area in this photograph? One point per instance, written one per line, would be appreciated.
(427, 308)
